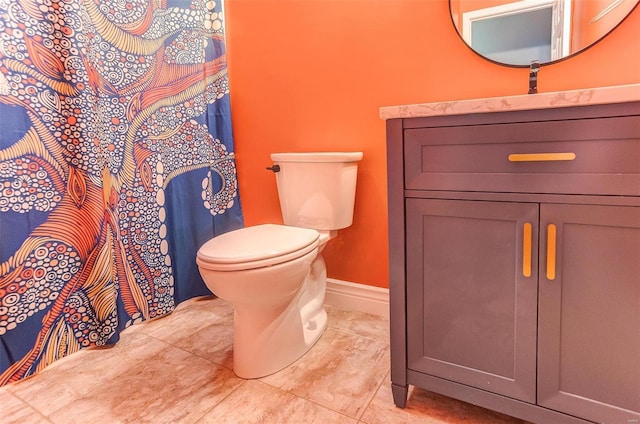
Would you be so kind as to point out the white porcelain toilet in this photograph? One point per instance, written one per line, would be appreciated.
(274, 275)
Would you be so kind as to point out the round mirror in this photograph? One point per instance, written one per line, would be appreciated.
(517, 32)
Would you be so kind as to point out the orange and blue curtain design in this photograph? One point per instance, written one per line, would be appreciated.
(116, 165)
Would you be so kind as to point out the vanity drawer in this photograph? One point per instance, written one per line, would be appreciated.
(592, 156)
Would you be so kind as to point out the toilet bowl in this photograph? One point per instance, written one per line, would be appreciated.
(261, 270)
(274, 275)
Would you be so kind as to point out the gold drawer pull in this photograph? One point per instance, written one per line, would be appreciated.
(551, 252)
(540, 157)
(526, 250)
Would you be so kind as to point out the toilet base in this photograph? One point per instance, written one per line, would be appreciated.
(261, 352)
(289, 332)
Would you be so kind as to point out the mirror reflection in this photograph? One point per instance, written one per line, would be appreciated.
(516, 32)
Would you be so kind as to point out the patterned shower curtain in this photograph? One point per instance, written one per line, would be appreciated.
(116, 164)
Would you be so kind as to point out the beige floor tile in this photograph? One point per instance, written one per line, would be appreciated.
(205, 329)
(188, 315)
(212, 341)
(85, 371)
(428, 408)
(15, 411)
(255, 402)
(358, 323)
(341, 372)
(177, 369)
(173, 386)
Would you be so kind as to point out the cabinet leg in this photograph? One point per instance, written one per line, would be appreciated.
(399, 394)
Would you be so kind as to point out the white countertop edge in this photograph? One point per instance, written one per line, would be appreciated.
(587, 96)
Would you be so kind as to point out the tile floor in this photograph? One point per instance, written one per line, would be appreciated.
(178, 369)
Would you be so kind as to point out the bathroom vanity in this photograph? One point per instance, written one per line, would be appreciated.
(514, 239)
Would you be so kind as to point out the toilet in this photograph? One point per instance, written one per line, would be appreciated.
(274, 275)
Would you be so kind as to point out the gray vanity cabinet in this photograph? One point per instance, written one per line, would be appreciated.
(515, 261)
(472, 311)
(589, 314)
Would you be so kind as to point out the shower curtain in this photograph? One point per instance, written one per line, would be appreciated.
(116, 164)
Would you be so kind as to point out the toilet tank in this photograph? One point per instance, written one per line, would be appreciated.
(317, 190)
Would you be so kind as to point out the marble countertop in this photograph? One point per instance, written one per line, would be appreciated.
(601, 95)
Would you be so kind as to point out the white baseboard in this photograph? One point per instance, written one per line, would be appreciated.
(357, 297)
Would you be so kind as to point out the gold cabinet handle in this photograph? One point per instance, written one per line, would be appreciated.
(541, 157)
(526, 250)
(551, 252)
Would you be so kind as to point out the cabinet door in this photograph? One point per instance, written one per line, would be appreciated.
(472, 293)
(589, 315)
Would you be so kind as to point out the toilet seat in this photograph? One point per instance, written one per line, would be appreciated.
(257, 246)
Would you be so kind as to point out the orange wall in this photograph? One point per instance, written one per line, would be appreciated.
(584, 13)
(310, 75)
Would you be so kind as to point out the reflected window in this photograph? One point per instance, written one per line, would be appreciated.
(529, 36)
(519, 32)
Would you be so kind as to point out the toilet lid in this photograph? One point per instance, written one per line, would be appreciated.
(256, 243)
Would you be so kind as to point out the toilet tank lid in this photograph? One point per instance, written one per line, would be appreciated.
(256, 242)
(317, 157)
